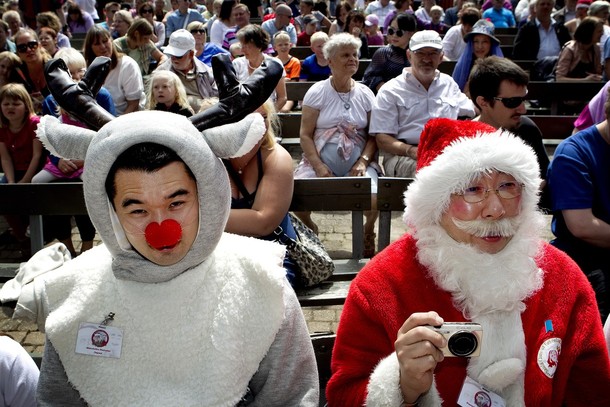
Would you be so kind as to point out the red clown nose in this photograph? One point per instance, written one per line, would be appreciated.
(166, 234)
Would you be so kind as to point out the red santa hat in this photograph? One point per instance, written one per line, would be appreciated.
(452, 153)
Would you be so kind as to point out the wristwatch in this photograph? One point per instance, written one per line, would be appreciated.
(365, 158)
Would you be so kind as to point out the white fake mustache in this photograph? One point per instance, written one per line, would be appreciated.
(506, 227)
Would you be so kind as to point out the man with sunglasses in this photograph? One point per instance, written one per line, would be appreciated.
(474, 254)
(498, 88)
(197, 77)
(404, 104)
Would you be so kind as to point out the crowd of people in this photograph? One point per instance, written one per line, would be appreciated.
(482, 181)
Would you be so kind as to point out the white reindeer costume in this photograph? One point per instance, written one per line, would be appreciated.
(219, 328)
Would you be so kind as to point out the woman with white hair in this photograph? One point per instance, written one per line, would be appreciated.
(601, 10)
(334, 128)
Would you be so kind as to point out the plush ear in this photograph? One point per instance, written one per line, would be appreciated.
(235, 139)
(63, 140)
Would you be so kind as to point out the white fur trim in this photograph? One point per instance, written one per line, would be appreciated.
(451, 171)
(42, 135)
(383, 389)
(255, 132)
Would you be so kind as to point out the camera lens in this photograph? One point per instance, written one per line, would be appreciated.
(462, 343)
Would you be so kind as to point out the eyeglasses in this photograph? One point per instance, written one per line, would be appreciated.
(178, 57)
(146, 11)
(477, 193)
(398, 32)
(198, 31)
(511, 103)
(24, 47)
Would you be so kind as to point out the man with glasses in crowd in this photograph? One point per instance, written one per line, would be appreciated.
(404, 104)
(181, 17)
(281, 22)
(474, 254)
(197, 77)
(498, 88)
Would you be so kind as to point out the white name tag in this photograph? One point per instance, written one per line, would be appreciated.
(475, 395)
(99, 340)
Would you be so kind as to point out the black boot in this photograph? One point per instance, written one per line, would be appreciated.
(237, 100)
(78, 99)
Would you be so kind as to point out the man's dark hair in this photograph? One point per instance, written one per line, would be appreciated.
(146, 157)
(488, 73)
(470, 15)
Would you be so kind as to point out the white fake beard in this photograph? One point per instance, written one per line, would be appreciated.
(481, 282)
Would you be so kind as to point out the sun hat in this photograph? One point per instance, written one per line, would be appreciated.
(482, 27)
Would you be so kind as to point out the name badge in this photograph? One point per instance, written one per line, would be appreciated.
(99, 340)
(475, 395)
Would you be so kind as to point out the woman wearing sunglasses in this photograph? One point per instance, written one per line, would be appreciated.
(146, 11)
(31, 71)
(204, 50)
(389, 61)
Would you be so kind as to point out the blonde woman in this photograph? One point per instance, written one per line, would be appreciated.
(166, 92)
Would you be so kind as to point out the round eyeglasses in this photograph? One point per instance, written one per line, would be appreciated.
(399, 33)
(478, 193)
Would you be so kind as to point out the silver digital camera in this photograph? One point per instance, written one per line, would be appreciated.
(463, 338)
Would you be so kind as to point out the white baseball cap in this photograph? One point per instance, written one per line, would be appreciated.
(426, 38)
(180, 42)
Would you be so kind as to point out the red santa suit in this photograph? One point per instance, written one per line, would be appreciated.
(542, 345)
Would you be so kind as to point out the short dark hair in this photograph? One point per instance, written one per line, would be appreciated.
(225, 9)
(354, 16)
(470, 15)
(146, 157)
(487, 75)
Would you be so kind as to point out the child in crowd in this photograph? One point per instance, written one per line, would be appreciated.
(235, 50)
(371, 28)
(435, 24)
(20, 151)
(8, 60)
(292, 66)
(315, 67)
(166, 92)
(310, 24)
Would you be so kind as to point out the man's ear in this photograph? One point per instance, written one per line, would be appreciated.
(482, 102)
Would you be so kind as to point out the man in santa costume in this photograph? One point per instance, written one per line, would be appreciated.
(474, 255)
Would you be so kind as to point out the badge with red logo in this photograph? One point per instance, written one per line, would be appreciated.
(548, 356)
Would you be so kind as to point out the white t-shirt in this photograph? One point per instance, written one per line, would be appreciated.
(124, 83)
(18, 375)
(323, 97)
(218, 31)
(403, 106)
(453, 43)
(89, 7)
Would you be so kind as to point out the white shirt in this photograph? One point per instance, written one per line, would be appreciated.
(403, 106)
(89, 7)
(18, 375)
(379, 10)
(549, 43)
(124, 83)
(218, 31)
(522, 11)
(453, 43)
(323, 97)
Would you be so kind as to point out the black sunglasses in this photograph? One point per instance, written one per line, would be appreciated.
(511, 103)
(198, 31)
(392, 31)
(146, 11)
(24, 47)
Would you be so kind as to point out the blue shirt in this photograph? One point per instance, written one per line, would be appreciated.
(502, 18)
(209, 50)
(176, 20)
(311, 71)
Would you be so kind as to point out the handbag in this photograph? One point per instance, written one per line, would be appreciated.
(309, 253)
